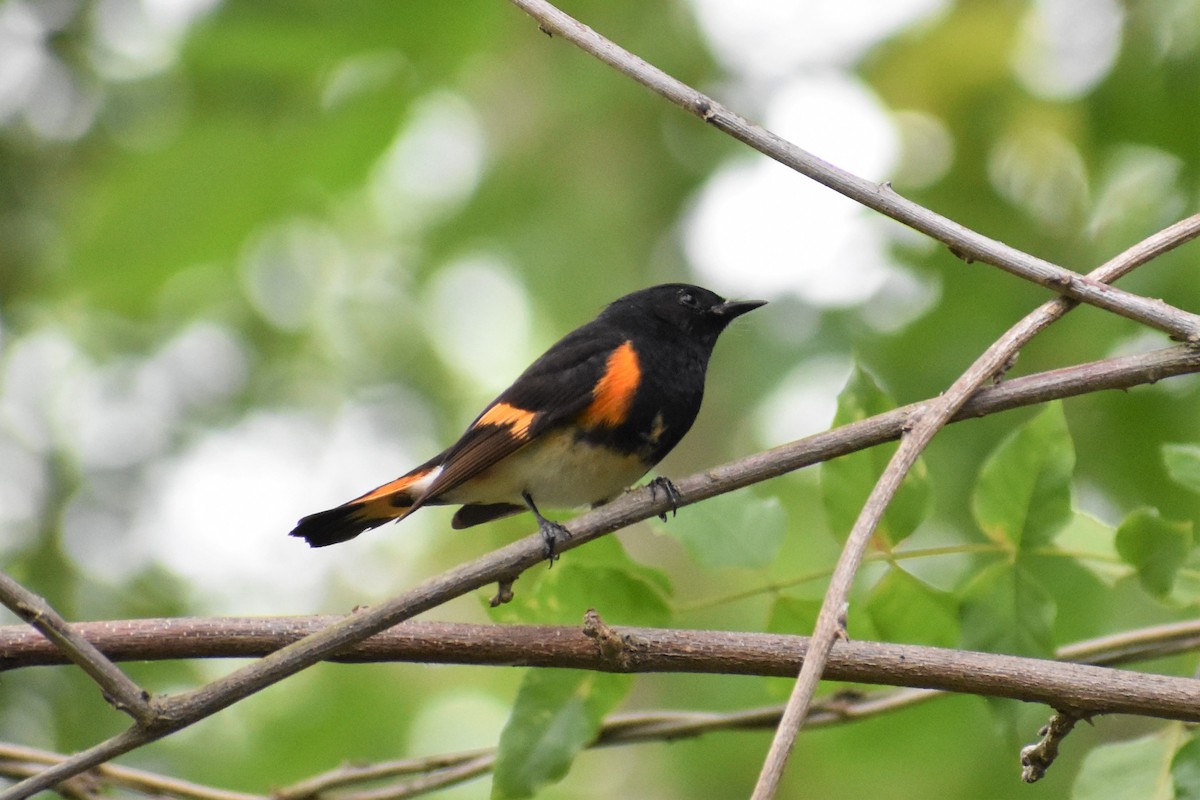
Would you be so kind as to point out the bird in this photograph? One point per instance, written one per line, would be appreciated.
(586, 420)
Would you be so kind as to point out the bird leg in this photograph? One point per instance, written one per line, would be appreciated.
(552, 532)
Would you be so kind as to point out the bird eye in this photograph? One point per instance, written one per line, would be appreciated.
(688, 299)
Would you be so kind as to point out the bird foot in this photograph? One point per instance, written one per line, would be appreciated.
(669, 490)
(553, 534)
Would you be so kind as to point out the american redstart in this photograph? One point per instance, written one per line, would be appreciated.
(580, 425)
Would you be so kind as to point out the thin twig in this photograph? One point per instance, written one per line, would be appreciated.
(879, 197)
(117, 687)
(350, 774)
(1137, 645)
(1037, 758)
(936, 414)
(460, 773)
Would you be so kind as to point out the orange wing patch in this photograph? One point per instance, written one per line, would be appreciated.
(613, 396)
(499, 432)
(517, 420)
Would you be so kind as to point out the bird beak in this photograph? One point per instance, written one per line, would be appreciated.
(731, 309)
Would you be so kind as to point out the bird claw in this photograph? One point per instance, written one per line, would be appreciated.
(553, 535)
(670, 491)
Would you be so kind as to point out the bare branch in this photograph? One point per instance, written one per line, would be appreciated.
(1081, 687)
(544, 646)
(118, 688)
(502, 645)
(879, 197)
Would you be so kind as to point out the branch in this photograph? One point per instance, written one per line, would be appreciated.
(118, 688)
(460, 643)
(178, 712)
(1080, 687)
(172, 638)
(963, 241)
(926, 424)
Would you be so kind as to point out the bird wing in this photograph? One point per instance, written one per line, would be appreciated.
(589, 377)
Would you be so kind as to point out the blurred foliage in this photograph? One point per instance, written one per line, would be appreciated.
(256, 257)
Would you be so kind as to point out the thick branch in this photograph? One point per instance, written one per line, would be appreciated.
(162, 639)
(1084, 689)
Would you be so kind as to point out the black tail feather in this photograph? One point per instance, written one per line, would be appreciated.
(336, 525)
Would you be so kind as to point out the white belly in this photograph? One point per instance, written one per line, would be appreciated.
(557, 471)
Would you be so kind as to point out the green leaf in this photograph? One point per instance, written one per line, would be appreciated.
(1023, 495)
(1155, 547)
(608, 551)
(563, 594)
(557, 714)
(1183, 464)
(1185, 770)
(1186, 589)
(731, 530)
(905, 609)
(1135, 769)
(847, 481)
(1006, 610)
(792, 615)
(1096, 541)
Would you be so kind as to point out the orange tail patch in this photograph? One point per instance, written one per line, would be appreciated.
(381, 505)
(396, 492)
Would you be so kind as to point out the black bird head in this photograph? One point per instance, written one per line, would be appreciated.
(696, 311)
